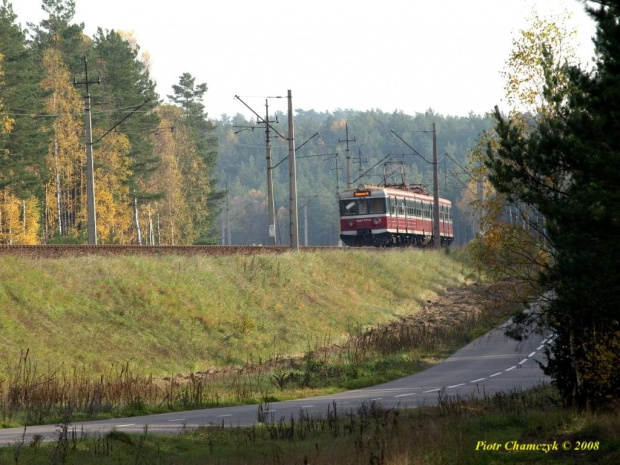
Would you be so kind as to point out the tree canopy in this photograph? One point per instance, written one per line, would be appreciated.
(565, 164)
(42, 145)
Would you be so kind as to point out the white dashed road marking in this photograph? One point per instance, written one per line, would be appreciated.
(479, 379)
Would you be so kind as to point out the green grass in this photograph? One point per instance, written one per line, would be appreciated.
(167, 315)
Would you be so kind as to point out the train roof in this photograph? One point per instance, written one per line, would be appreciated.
(410, 192)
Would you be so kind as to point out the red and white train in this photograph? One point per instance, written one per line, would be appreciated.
(392, 216)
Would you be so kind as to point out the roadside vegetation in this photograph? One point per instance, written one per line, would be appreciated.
(458, 430)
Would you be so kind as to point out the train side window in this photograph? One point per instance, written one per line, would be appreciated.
(401, 207)
(410, 207)
(392, 205)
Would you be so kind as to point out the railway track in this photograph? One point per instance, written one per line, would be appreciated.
(54, 251)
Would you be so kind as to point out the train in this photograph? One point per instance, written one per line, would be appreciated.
(392, 216)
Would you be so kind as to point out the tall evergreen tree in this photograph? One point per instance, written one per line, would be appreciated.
(59, 32)
(22, 154)
(566, 166)
(199, 166)
(129, 92)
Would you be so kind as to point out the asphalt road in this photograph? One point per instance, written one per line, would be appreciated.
(489, 364)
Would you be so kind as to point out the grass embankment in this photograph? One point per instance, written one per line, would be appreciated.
(514, 427)
(86, 334)
(178, 315)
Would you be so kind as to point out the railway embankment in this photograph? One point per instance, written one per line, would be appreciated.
(169, 314)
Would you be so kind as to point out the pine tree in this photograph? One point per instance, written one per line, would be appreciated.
(129, 93)
(198, 165)
(566, 166)
(23, 141)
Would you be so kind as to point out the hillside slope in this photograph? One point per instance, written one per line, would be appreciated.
(179, 314)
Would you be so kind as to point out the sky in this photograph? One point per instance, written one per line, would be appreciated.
(388, 55)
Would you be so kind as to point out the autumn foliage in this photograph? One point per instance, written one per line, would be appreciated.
(152, 173)
(558, 167)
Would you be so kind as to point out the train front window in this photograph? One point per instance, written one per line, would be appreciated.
(351, 207)
(377, 206)
(363, 207)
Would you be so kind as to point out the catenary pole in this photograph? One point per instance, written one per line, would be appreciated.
(436, 235)
(292, 176)
(270, 197)
(347, 153)
(90, 172)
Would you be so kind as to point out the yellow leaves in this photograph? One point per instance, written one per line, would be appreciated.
(601, 361)
(337, 125)
(6, 122)
(112, 193)
(64, 98)
(65, 158)
(172, 213)
(524, 71)
(19, 219)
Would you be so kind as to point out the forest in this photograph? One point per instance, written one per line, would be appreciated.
(154, 162)
(374, 152)
(164, 172)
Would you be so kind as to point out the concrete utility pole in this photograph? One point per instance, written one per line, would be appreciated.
(337, 169)
(435, 163)
(347, 155)
(292, 175)
(480, 196)
(226, 234)
(305, 207)
(90, 172)
(436, 234)
(359, 160)
(270, 197)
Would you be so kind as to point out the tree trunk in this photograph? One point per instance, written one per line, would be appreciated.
(137, 220)
(58, 192)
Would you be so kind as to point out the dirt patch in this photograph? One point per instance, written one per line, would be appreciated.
(462, 303)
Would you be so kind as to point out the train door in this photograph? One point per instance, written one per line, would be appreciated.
(393, 219)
